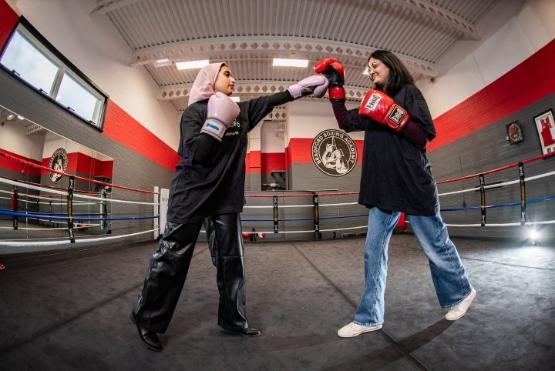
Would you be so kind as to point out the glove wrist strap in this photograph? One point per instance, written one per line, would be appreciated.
(337, 93)
(214, 128)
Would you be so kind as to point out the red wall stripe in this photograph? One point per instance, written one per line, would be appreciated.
(253, 162)
(8, 20)
(18, 167)
(124, 129)
(272, 162)
(525, 84)
(84, 165)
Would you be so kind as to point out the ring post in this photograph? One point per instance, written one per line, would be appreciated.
(522, 193)
(482, 201)
(317, 234)
(275, 213)
(14, 206)
(70, 189)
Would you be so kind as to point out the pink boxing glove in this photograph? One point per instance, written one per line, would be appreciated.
(315, 84)
(221, 113)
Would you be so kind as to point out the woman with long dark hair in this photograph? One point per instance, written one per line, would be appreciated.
(396, 177)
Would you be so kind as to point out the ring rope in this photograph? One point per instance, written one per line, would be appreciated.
(64, 193)
(77, 240)
(75, 217)
(529, 179)
(32, 164)
(505, 167)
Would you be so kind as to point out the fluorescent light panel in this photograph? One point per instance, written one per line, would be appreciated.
(235, 99)
(162, 62)
(190, 65)
(289, 62)
(365, 72)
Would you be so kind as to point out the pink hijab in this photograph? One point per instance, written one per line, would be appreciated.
(203, 86)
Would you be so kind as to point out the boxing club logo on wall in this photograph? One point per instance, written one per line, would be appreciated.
(334, 153)
(58, 162)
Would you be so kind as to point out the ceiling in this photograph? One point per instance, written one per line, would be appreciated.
(249, 33)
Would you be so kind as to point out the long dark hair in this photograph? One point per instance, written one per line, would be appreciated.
(399, 75)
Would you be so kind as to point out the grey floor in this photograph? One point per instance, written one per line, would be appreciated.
(69, 310)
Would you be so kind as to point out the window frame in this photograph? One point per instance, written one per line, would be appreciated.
(65, 67)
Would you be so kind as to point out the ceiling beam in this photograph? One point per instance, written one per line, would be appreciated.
(107, 6)
(445, 17)
(292, 47)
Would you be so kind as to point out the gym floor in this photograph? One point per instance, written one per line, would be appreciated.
(70, 310)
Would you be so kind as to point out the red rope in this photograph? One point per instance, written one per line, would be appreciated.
(496, 169)
(11, 157)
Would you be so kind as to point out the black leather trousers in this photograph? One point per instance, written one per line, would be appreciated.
(169, 265)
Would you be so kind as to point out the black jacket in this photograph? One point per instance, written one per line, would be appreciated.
(396, 174)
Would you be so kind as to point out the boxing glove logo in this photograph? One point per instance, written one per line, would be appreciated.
(373, 102)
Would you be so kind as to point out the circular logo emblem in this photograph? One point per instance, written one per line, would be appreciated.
(58, 162)
(334, 153)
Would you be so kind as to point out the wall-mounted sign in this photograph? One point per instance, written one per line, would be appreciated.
(514, 133)
(58, 162)
(546, 131)
(334, 153)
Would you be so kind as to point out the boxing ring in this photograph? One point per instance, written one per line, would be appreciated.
(78, 214)
(70, 307)
(42, 216)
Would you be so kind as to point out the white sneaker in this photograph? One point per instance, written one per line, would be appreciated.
(460, 309)
(352, 330)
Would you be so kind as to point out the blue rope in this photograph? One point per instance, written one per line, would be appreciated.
(57, 217)
(510, 204)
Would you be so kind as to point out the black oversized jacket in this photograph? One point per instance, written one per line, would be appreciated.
(215, 185)
(396, 173)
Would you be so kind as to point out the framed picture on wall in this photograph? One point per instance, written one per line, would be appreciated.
(545, 124)
(514, 132)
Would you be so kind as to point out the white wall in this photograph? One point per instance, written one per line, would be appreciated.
(95, 47)
(273, 137)
(13, 138)
(307, 117)
(526, 32)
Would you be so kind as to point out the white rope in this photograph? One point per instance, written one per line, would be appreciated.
(115, 200)
(76, 203)
(529, 179)
(76, 195)
(49, 229)
(288, 206)
(309, 231)
(340, 204)
(502, 224)
(66, 242)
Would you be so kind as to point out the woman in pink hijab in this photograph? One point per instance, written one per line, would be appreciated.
(209, 184)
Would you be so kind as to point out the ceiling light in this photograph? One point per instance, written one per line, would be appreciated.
(10, 117)
(365, 72)
(235, 99)
(288, 62)
(162, 62)
(192, 64)
(19, 117)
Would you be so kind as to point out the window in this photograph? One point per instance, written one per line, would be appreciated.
(31, 58)
(74, 95)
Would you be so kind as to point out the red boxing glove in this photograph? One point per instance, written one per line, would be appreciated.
(381, 108)
(335, 73)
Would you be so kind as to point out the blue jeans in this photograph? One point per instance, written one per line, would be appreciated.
(448, 274)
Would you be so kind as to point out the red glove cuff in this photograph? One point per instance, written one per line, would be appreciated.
(337, 93)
